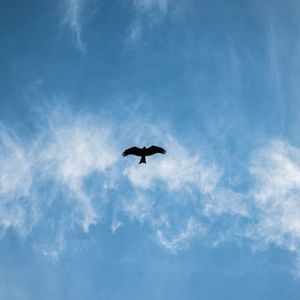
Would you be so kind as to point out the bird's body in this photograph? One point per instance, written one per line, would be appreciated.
(143, 152)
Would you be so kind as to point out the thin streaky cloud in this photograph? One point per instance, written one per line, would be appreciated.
(139, 208)
(276, 172)
(148, 13)
(147, 5)
(181, 197)
(72, 18)
(15, 186)
(181, 239)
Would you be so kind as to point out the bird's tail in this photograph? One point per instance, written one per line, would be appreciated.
(143, 160)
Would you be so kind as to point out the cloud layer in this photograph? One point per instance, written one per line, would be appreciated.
(67, 174)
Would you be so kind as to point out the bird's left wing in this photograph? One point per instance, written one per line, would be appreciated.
(154, 149)
(133, 151)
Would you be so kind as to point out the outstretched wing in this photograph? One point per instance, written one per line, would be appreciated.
(134, 151)
(154, 149)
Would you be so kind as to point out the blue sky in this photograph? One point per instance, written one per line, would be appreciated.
(215, 83)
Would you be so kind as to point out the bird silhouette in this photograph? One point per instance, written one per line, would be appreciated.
(143, 152)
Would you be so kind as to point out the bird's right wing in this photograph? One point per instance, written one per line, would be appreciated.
(132, 151)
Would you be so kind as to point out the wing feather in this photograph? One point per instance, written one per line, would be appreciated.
(155, 149)
(132, 151)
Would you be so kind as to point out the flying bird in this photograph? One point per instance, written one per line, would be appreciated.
(143, 152)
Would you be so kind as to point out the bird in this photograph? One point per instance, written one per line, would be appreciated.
(143, 152)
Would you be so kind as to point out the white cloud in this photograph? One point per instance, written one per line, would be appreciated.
(135, 32)
(14, 158)
(73, 152)
(15, 182)
(223, 201)
(72, 18)
(179, 169)
(139, 208)
(68, 149)
(53, 249)
(173, 195)
(116, 224)
(276, 171)
(64, 154)
(76, 149)
(148, 5)
(181, 239)
(148, 13)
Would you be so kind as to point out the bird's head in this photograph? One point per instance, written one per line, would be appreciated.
(144, 148)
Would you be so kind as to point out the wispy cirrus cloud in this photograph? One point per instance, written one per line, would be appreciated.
(15, 184)
(180, 169)
(73, 151)
(148, 5)
(66, 175)
(70, 152)
(276, 172)
(147, 14)
(72, 10)
(180, 240)
(62, 156)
